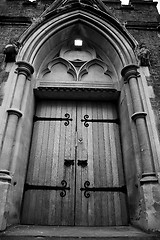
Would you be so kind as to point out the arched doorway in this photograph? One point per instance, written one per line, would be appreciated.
(75, 172)
(96, 90)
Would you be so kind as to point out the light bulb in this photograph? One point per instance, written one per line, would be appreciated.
(78, 42)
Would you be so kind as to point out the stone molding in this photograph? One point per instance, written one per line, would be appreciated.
(149, 177)
(24, 68)
(129, 71)
(5, 176)
(14, 111)
(138, 115)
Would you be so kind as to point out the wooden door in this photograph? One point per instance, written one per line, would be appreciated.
(101, 200)
(53, 142)
(75, 172)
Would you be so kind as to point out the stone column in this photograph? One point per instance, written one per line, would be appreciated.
(147, 213)
(130, 75)
(24, 72)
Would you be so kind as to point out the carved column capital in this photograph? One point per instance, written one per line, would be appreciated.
(129, 71)
(25, 68)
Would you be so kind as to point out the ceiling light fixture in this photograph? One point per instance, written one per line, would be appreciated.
(78, 42)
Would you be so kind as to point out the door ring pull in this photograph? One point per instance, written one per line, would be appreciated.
(82, 163)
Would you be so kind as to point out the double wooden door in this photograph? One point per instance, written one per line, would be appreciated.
(75, 171)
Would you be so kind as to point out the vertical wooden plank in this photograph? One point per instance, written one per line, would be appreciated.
(31, 207)
(52, 208)
(118, 213)
(96, 160)
(102, 165)
(124, 210)
(38, 216)
(79, 175)
(33, 169)
(55, 160)
(71, 171)
(31, 162)
(60, 164)
(56, 148)
(84, 148)
(26, 206)
(44, 146)
(50, 143)
(42, 194)
(53, 163)
(113, 163)
(91, 217)
(69, 154)
(33, 174)
(78, 195)
(108, 169)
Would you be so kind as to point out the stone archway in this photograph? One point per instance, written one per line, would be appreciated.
(83, 150)
(116, 49)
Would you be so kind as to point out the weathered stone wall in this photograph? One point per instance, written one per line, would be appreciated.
(141, 20)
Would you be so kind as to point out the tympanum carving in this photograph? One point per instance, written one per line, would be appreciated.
(59, 70)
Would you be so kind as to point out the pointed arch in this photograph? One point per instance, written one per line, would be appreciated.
(99, 28)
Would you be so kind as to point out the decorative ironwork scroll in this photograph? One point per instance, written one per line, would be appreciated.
(86, 120)
(88, 189)
(62, 188)
(66, 119)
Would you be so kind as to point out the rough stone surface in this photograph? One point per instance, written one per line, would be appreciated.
(111, 233)
(3, 204)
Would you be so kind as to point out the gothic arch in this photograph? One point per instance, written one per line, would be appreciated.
(51, 34)
(116, 48)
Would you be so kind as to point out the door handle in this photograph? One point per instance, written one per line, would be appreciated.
(68, 162)
(82, 163)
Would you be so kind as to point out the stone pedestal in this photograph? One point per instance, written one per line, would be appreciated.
(149, 207)
(5, 183)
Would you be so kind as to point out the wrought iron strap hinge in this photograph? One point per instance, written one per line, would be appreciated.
(68, 162)
(66, 119)
(62, 188)
(86, 120)
(88, 189)
(82, 163)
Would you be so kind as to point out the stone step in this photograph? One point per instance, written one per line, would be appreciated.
(23, 232)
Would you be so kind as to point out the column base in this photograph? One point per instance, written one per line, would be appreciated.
(149, 207)
(5, 183)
